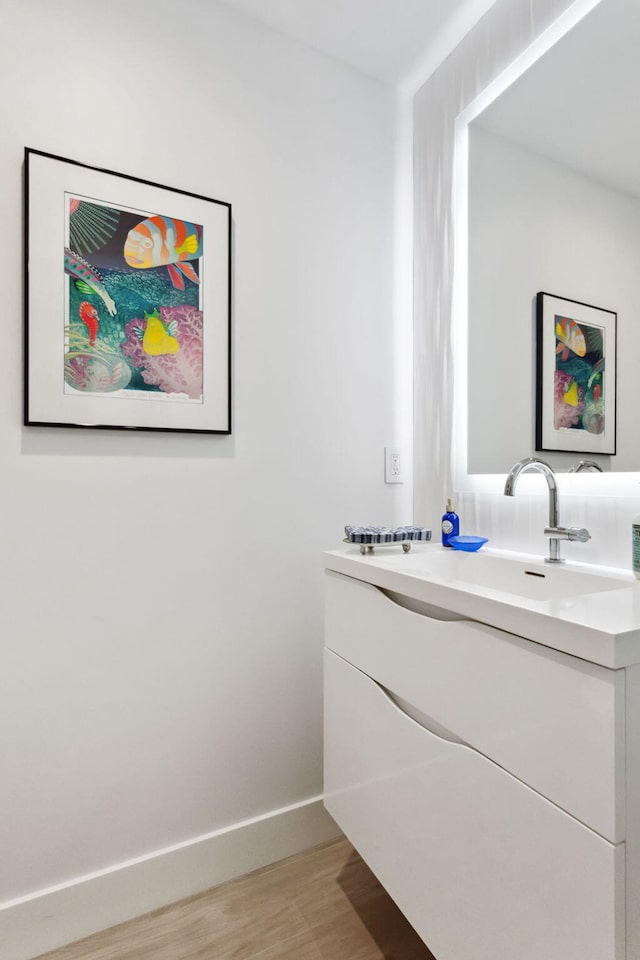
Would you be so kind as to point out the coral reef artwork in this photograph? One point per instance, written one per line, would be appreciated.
(133, 313)
(578, 386)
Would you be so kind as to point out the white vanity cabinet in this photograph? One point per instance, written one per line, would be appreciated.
(483, 777)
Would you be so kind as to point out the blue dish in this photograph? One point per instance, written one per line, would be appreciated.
(469, 544)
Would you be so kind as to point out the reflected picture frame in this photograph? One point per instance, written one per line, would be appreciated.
(576, 375)
(127, 301)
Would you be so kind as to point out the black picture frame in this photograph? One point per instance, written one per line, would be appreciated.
(182, 363)
(576, 376)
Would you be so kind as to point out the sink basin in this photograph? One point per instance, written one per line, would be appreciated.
(535, 581)
(590, 613)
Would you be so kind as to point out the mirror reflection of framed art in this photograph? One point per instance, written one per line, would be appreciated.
(575, 376)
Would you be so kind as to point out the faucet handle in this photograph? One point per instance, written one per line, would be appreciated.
(567, 533)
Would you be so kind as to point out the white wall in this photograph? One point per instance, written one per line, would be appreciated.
(161, 594)
(535, 224)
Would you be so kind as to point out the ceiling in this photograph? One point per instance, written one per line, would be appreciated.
(401, 42)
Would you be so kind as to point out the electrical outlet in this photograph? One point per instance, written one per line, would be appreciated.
(393, 465)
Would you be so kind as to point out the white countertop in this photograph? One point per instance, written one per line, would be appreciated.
(602, 626)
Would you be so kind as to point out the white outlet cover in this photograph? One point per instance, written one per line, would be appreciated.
(393, 465)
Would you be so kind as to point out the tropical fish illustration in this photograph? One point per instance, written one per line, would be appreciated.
(571, 395)
(89, 316)
(165, 242)
(158, 338)
(87, 279)
(571, 338)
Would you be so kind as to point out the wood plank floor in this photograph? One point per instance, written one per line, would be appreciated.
(324, 904)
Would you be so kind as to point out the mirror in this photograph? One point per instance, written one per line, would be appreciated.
(554, 206)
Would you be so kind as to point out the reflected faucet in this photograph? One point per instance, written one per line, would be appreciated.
(553, 531)
(584, 465)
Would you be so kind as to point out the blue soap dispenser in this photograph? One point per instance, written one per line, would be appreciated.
(450, 524)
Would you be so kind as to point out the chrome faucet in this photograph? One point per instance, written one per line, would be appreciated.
(553, 531)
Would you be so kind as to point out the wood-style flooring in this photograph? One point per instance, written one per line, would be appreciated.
(324, 904)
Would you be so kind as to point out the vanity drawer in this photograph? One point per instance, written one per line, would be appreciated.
(482, 866)
(554, 721)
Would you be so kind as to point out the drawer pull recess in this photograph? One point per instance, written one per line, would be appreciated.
(422, 719)
(421, 607)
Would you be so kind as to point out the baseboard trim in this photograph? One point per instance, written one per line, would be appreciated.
(57, 916)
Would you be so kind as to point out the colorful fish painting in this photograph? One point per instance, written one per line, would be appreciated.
(571, 338)
(164, 242)
(87, 279)
(153, 342)
(579, 401)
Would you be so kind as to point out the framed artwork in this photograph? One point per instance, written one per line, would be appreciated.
(127, 302)
(575, 376)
